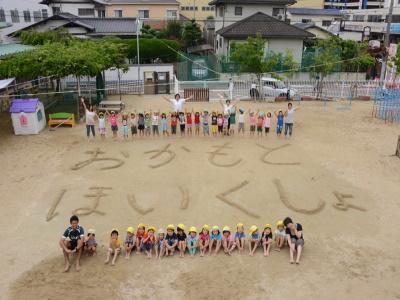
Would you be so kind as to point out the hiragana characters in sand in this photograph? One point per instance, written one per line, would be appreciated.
(343, 204)
(217, 152)
(93, 209)
(95, 157)
(158, 152)
(269, 150)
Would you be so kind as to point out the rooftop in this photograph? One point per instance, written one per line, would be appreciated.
(264, 24)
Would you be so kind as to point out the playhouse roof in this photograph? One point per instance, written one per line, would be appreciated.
(24, 105)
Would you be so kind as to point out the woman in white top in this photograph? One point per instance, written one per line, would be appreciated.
(289, 119)
(90, 116)
(177, 102)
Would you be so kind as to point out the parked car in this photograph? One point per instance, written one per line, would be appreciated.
(199, 68)
(271, 87)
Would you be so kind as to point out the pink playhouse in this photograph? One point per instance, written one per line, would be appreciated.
(27, 116)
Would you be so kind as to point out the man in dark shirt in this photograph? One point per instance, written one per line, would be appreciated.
(72, 242)
(294, 234)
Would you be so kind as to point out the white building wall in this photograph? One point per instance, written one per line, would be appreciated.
(282, 45)
(20, 5)
(72, 8)
(316, 19)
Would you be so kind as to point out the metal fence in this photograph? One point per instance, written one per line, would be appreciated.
(269, 90)
(387, 105)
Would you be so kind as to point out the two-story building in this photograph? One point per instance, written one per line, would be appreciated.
(236, 20)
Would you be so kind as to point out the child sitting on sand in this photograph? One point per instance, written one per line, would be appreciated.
(90, 242)
(266, 239)
(227, 240)
(129, 241)
(240, 238)
(192, 241)
(181, 235)
(149, 241)
(280, 235)
(160, 243)
(215, 239)
(204, 239)
(254, 239)
(171, 240)
(141, 229)
(114, 247)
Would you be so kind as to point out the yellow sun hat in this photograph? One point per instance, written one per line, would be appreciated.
(114, 230)
(130, 229)
(206, 227)
(171, 227)
(253, 228)
(226, 228)
(280, 223)
(239, 225)
(181, 226)
(267, 226)
(151, 228)
(192, 229)
(215, 227)
(141, 225)
(161, 231)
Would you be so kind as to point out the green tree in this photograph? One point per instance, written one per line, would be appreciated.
(191, 34)
(250, 57)
(30, 37)
(147, 32)
(173, 30)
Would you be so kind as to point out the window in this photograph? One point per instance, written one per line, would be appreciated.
(101, 13)
(14, 16)
(212, 8)
(306, 21)
(326, 23)
(56, 10)
(37, 16)
(118, 13)
(221, 11)
(85, 12)
(358, 18)
(27, 16)
(203, 8)
(220, 42)
(374, 18)
(172, 14)
(238, 10)
(190, 7)
(277, 11)
(196, 8)
(216, 45)
(45, 15)
(144, 14)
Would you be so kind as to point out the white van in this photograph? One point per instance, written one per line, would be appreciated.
(271, 87)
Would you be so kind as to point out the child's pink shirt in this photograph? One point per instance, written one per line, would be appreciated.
(220, 121)
(267, 122)
(113, 120)
(252, 121)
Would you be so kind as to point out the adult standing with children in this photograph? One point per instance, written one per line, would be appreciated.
(89, 116)
(177, 102)
(289, 119)
(294, 235)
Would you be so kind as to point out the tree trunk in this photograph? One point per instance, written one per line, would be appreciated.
(78, 80)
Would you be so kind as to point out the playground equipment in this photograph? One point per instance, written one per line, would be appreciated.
(387, 105)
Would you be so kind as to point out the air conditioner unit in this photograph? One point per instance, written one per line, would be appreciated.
(280, 17)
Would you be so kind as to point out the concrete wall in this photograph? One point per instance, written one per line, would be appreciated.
(156, 11)
(316, 19)
(200, 14)
(309, 3)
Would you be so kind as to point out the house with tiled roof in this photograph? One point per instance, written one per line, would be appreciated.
(279, 35)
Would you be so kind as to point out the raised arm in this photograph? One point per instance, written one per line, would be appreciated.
(167, 99)
(83, 103)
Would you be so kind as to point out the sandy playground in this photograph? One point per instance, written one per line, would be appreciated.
(348, 254)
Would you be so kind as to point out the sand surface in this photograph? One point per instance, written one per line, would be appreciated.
(349, 254)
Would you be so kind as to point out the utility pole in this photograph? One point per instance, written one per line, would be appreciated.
(386, 40)
(137, 47)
